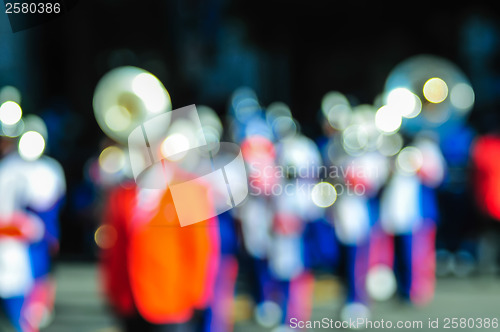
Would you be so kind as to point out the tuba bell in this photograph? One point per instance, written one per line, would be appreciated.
(126, 97)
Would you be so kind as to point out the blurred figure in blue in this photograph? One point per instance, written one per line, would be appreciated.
(358, 171)
(220, 311)
(32, 188)
(298, 205)
(409, 214)
(457, 234)
(256, 216)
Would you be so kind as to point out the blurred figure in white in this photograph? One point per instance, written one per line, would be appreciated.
(32, 187)
(248, 128)
(256, 216)
(298, 200)
(354, 215)
(358, 171)
(409, 214)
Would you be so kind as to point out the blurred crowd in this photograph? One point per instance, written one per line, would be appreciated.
(387, 196)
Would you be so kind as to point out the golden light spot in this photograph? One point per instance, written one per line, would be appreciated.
(105, 236)
(435, 90)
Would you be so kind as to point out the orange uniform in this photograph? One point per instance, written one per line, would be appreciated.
(155, 267)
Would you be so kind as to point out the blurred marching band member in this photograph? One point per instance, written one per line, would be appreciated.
(409, 215)
(457, 231)
(157, 275)
(360, 173)
(220, 312)
(295, 210)
(272, 227)
(256, 216)
(409, 211)
(249, 129)
(32, 189)
(354, 215)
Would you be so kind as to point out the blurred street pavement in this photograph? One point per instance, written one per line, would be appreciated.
(80, 306)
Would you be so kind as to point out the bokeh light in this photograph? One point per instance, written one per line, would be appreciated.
(354, 139)
(388, 119)
(409, 160)
(339, 116)
(112, 159)
(10, 92)
(381, 282)
(126, 97)
(31, 145)
(284, 127)
(276, 110)
(268, 314)
(332, 99)
(14, 130)
(354, 311)
(405, 102)
(389, 144)
(443, 93)
(462, 96)
(175, 147)
(324, 194)
(10, 113)
(435, 90)
(211, 123)
(151, 91)
(105, 236)
(118, 118)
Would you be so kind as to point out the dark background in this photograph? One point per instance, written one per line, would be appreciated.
(291, 51)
